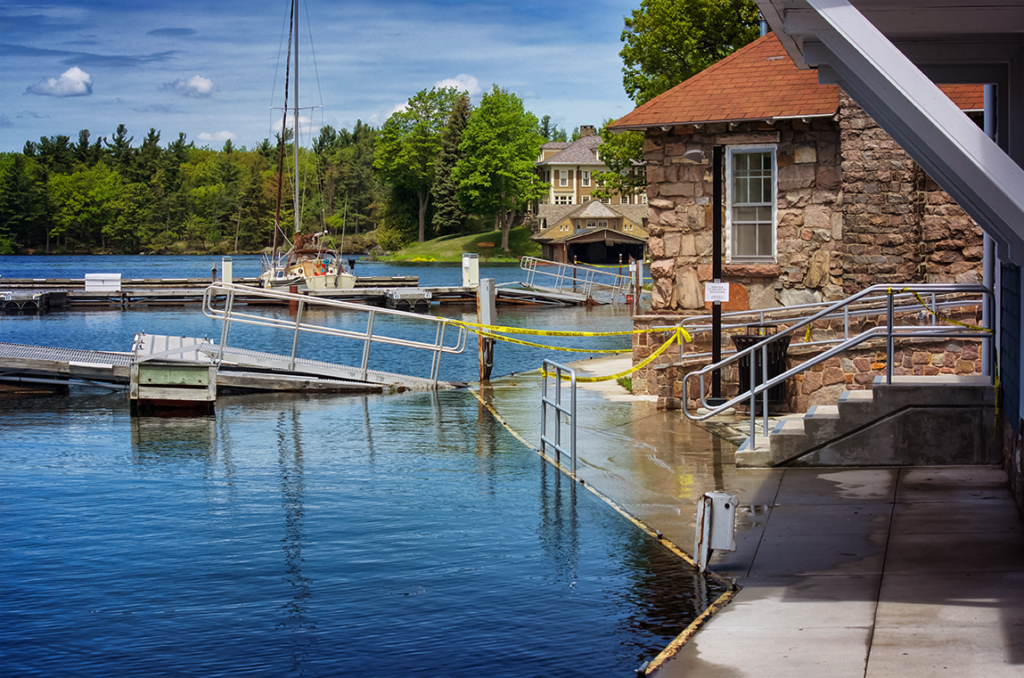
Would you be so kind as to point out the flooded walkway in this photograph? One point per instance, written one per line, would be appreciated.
(872, 572)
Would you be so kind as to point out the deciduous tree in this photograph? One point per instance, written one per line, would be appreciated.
(410, 141)
(496, 174)
(668, 41)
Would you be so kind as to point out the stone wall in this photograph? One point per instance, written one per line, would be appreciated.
(898, 225)
(824, 383)
(809, 218)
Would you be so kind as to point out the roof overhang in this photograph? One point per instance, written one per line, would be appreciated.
(605, 235)
(732, 121)
(888, 54)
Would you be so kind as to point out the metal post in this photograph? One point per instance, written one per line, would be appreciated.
(889, 339)
(753, 400)
(716, 273)
(764, 393)
(229, 302)
(485, 313)
(572, 422)
(295, 338)
(366, 344)
(435, 362)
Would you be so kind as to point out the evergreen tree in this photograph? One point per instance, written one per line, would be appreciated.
(448, 214)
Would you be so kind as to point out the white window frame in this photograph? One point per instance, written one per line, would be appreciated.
(585, 178)
(563, 199)
(563, 178)
(730, 152)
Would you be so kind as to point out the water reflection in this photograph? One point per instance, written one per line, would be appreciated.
(290, 462)
(160, 440)
(559, 528)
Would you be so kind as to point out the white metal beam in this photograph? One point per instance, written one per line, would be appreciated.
(983, 179)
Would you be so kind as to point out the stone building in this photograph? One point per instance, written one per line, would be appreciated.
(819, 203)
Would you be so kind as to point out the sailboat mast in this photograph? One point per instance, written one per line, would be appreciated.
(295, 20)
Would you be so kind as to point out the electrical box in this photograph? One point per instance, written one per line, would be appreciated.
(716, 526)
(723, 521)
(470, 270)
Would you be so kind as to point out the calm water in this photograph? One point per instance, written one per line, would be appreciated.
(312, 536)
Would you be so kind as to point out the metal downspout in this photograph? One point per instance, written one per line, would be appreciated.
(988, 258)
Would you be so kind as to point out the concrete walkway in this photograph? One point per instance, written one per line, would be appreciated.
(872, 572)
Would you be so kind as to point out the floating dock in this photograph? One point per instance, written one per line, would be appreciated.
(393, 292)
(240, 371)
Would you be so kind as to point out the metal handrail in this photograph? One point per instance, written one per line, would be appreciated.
(890, 331)
(228, 314)
(784, 314)
(557, 371)
(575, 279)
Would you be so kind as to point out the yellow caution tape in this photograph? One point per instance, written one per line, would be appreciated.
(664, 347)
(491, 335)
(555, 333)
(950, 320)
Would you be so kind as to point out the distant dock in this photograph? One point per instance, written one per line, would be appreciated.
(39, 295)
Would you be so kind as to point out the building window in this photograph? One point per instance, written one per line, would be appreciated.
(750, 203)
(590, 223)
(563, 177)
(563, 199)
(602, 224)
(585, 177)
(577, 223)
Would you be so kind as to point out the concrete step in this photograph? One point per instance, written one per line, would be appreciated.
(914, 420)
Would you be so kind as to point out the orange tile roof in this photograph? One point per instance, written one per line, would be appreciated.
(756, 82)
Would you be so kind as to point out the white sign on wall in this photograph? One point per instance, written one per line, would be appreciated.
(716, 291)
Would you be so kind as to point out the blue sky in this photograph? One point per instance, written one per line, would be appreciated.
(214, 70)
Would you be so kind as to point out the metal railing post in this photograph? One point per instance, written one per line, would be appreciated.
(295, 338)
(753, 401)
(764, 392)
(890, 321)
(229, 303)
(559, 409)
(366, 346)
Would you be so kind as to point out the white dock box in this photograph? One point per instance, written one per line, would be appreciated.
(470, 270)
(103, 282)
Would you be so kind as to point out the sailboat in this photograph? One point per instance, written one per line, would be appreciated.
(306, 264)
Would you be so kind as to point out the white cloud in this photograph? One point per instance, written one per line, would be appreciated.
(73, 82)
(223, 135)
(196, 87)
(462, 82)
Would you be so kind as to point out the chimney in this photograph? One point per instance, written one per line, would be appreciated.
(587, 131)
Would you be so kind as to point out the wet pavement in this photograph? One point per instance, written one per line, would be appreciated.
(867, 572)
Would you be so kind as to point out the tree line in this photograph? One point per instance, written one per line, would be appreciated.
(428, 171)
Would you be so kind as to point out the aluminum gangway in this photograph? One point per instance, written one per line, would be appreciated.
(242, 368)
(575, 281)
(219, 304)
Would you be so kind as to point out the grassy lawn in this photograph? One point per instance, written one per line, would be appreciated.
(486, 244)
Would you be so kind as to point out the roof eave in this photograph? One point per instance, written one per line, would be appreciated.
(668, 125)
